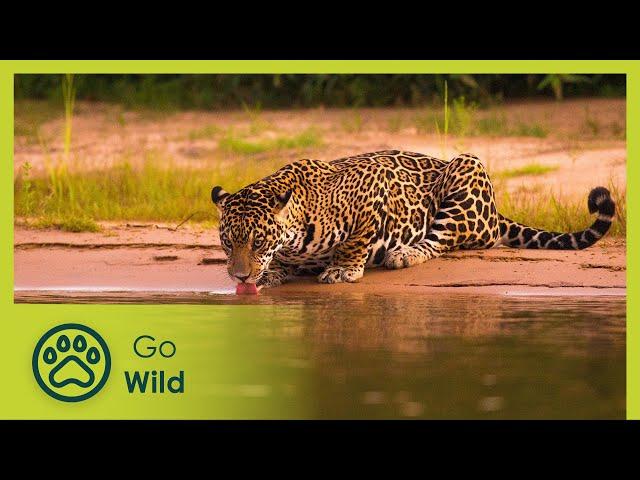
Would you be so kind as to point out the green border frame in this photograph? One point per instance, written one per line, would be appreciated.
(629, 67)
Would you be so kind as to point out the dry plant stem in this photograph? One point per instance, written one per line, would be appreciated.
(182, 222)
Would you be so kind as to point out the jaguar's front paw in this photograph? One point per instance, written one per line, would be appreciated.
(340, 274)
(271, 278)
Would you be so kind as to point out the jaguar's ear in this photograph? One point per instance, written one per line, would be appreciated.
(282, 205)
(218, 196)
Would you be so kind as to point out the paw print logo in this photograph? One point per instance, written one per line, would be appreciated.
(71, 362)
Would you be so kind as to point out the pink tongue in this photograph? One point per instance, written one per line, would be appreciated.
(246, 289)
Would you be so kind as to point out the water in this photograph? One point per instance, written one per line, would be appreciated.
(428, 356)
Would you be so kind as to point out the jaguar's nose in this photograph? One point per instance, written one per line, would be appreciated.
(242, 278)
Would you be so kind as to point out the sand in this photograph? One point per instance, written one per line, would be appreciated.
(150, 259)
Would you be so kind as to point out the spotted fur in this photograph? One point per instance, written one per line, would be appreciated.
(390, 208)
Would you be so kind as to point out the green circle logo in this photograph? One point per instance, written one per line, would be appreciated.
(71, 362)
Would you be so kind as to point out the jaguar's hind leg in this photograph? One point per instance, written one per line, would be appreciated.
(466, 218)
(467, 215)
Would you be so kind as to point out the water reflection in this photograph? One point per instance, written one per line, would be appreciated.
(435, 356)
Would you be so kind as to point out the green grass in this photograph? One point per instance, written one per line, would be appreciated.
(523, 129)
(464, 119)
(591, 125)
(497, 125)
(395, 124)
(27, 189)
(492, 125)
(526, 170)
(67, 223)
(353, 123)
(232, 143)
(29, 116)
(462, 116)
(426, 122)
(547, 211)
(618, 130)
(257, 124)
(154, 191)
(69, 96)
(206, 132)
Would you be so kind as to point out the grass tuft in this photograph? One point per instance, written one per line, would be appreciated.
(68, 224)
(463, 120)
(591, 124)
(206, 132)
(234, 144)
(395, 124)
(618, 130)
(353, 123)
(69, 96)
(523, 129)
(526, 170)
(492, 125)
(30, 115)
(27, 188)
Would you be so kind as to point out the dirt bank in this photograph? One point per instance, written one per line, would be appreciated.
(148, 258)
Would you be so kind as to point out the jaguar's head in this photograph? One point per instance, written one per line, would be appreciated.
(252, 228)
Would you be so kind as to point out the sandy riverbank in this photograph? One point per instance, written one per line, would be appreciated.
(147, 258)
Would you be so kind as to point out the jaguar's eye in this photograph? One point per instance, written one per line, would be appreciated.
(258, 242)
(227, 243)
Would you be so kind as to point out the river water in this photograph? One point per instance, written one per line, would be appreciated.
(426, 356)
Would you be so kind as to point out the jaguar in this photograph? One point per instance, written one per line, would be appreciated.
(388, 208)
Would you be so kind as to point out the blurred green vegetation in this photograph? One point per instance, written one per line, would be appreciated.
(200, 91)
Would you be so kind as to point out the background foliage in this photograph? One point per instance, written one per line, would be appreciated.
(174, 91)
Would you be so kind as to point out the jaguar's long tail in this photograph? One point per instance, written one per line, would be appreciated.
(600, 202)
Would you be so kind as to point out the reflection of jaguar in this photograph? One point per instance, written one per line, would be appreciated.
(389, 208)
